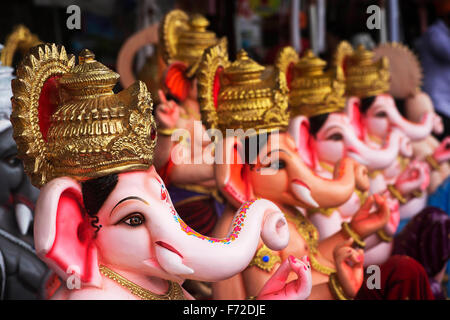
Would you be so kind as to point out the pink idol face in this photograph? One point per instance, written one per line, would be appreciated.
(278, 164)
(336, 138)
(125, 238)
(376, 117)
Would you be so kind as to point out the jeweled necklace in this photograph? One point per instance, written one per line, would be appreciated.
(310, 234)
(174, 293)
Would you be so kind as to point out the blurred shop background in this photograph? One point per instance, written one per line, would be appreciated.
(259, 26)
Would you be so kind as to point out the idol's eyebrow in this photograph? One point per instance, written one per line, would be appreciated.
(329, 129)
(276, 150)
(128, 198)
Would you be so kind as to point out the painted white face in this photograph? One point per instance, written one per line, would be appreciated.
(377, 120)
(330, 140)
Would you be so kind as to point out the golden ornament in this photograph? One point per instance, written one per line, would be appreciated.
(175, 291)
(364, 77)
(311, 236)
(265, 259)
(396, 193)
(91, 132)
(336, 288)
(184, 38)
(20, 39)
(240, 94)
(352, 234)
(311, 90)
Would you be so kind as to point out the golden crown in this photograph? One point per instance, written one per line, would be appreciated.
(364, 76)
(68, 122)
(184, 38)
(242, 94)
(311, 90)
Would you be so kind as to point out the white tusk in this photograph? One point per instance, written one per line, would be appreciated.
(24, 216)
(171, 262)
(304, 194)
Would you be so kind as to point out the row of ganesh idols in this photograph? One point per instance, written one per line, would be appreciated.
(338, 183)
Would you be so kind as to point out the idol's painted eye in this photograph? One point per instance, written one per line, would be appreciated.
(381, 114)
(335, 137)
(133, 220)
(278, 164)
(12, 161)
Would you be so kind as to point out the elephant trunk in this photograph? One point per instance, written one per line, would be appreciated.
(341, 187)
(188, 254)
(377, 159)
(414, 131)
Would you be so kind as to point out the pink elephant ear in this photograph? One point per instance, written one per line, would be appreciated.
(232, 176)
(63, 232)
(299, 130)
(356, 118)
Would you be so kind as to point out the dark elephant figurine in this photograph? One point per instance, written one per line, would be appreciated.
(22, 274)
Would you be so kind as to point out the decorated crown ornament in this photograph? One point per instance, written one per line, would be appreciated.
(68, 122)
(405, 69)
(312, 91)
(6, 75)
(20, 39)
(184, 39)
(241, 94)
(364, 76)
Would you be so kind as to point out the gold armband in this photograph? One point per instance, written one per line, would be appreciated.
(417, 193)
(352, 234)
(166, 132)
(265, 259)
(336, 288)
(383, 236)
(396, 194)
(432, 162)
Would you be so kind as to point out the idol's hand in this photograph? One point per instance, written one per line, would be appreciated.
(349, 267)
(276, 287)
(365, 222)
(442, 152)
(167, 113)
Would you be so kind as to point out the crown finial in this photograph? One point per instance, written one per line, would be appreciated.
(86, 56)
(198, 22)
(242, 55)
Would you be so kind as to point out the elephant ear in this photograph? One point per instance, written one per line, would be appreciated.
(63, 233)
(176, 80)
(299, 130)
(356, 118)
(232, 176)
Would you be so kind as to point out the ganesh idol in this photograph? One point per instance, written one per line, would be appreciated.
(190, 181)
(324, 134)
(416, 108)
(104, 220)
(263, 161)
(376, 114)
